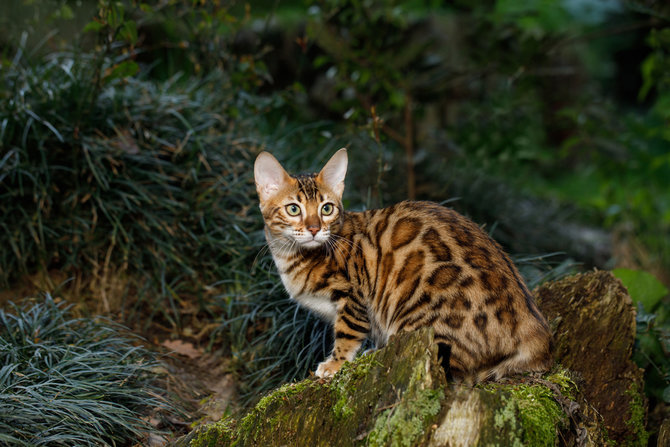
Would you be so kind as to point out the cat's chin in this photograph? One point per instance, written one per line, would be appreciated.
(310, 245)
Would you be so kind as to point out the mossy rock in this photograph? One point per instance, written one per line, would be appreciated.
(398, 396)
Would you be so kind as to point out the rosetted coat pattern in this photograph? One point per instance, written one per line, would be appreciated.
(414, 264)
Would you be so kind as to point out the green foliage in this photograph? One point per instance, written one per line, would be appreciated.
(634, 150)
(66, 381)
(133, 157)
(652, 349)
(182, 36)
(535, 19)
(643, 287)
(142, 178)
(113, 24)
(365, 50)
(656, 66)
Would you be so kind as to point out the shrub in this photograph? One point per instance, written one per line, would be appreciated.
(142, 178)
(66, 381)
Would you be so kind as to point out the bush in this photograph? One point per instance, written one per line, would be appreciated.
(146, 179)
(66, 381)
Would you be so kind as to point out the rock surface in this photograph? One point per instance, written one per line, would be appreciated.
(398, 396)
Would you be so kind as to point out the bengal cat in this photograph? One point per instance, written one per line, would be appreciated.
(414, 264)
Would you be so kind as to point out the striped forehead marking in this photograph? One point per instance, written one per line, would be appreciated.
(307, 186)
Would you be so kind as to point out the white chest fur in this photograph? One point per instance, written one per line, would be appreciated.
(319, 303)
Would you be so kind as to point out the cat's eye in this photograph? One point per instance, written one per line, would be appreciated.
(292, 209)
(327, 209)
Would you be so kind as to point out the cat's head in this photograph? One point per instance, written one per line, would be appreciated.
(304, 209)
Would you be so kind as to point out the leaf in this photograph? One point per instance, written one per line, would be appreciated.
(184, 348)
(147, 8)
(93, 26)
(65, 12)
(320, 61)
(648, 69)
(128, 32)
(122, 70)
(666, 394)
(643, 287)
(115, 14)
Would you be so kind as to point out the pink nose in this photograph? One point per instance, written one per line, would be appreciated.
(313, 230)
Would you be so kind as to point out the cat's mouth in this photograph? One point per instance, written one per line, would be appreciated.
(311, 241)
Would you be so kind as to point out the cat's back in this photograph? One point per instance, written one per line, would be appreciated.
(424, 240)
(427, 265)
(440, 236)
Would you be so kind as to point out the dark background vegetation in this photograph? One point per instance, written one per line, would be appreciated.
(128, 132)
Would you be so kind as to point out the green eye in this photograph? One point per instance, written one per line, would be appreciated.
(327, 209)
(293, 209)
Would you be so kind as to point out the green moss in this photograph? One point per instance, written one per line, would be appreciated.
(563, 378)
(361, 366)
(404, 422)
(530, 415)
(401, 425)
(219, 433)
(249, 423)
(341, 408)
(539, 414)
(343, 383)
(505, 421)
(637, 417)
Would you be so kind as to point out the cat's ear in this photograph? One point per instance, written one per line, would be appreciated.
(269, 175)
(332, 175)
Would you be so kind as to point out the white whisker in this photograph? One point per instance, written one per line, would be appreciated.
(335, 248)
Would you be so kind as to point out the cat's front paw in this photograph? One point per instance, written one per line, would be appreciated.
(328, 368)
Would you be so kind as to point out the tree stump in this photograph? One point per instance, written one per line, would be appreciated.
(398, 395)
(593, 321)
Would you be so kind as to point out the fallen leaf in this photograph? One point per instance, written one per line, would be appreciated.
(183, 348)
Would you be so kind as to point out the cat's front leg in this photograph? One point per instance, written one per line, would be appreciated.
(351, 327)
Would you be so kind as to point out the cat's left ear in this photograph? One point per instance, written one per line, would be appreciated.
(332, 175)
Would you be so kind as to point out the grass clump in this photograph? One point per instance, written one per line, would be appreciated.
(66, 381)
(129, 177)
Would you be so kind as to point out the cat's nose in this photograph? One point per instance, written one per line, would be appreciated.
(313, 229)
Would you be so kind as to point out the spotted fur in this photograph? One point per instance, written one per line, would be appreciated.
(411, 265)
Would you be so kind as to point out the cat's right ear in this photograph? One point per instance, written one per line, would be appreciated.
(269, 175)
